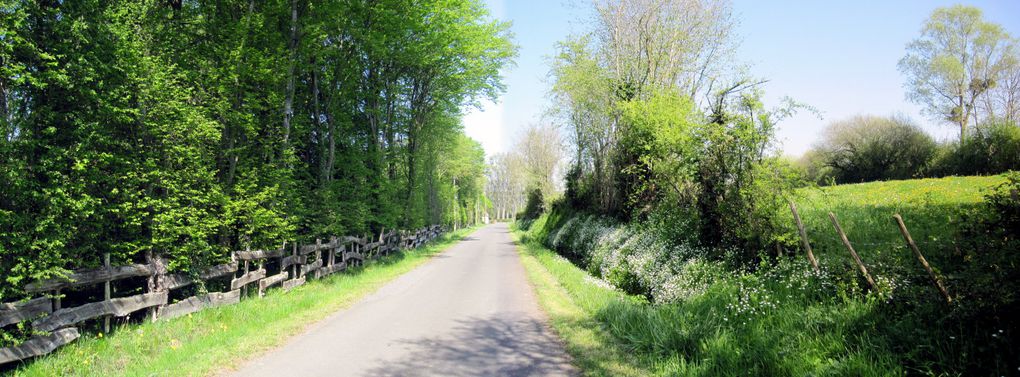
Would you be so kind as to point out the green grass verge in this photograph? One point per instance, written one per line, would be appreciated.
(217, 340)
(571, 297)
(740, 326)
(780, 318)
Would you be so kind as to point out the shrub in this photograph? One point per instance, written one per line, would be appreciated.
(534, 206)
(814, 168)
(869, 148)
(992, 148)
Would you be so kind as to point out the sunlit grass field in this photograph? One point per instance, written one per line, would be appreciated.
(932, 209)
(216, 340)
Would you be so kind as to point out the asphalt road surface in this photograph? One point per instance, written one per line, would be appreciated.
(468, 312)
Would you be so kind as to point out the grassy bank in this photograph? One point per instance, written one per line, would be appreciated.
(570, 296)
(218, 339)
(692, 312)
(747, 325)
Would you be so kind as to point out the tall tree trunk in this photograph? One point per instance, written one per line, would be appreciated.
(325, 136)
(412, 174)
(288, 106)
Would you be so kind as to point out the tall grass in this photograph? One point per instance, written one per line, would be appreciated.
(218, 339)
(739, 326)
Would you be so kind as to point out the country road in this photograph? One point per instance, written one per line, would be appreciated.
(468, 312)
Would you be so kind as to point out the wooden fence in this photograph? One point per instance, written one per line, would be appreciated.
(291, 266)
(935, 279)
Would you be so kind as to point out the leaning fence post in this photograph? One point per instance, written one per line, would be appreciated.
(804, 238)
(857, 258)
(913, 246)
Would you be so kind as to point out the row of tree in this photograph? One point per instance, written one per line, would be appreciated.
(533, 166)
(189, 129)
(868, 148)
(965, 72)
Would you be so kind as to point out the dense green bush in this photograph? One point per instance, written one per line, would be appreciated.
(534, 206)
(868, 148)
(988, 267)
(871, 148)
(991, 148)
(717, 169)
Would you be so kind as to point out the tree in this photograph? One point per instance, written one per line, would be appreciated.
(533, 164)
(540, 151)
(583, 100)
(867, 148)
(506, 181)
(664, 44)
(958, 60)
(1003, 101)
(635, 50)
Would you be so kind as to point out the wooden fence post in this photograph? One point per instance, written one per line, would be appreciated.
(106, 292)
(247, 266)
(155, 282)
(294, 267)
(857, 258)
(318, 249)
(332, 250)
(804, 238)
(913, 246)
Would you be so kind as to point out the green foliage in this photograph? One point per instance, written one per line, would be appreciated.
(190, 129)
(658, 148)
(991, 148)
(534, 206)
(870, 148)
(987, 274)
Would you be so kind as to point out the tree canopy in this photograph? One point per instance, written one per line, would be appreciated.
(189, 129)
(963, 69)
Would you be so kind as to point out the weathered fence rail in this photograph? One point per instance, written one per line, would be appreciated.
(246, 268)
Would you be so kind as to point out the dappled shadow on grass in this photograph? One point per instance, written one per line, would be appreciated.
(501, 345)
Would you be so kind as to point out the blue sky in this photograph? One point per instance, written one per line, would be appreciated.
(839, 57)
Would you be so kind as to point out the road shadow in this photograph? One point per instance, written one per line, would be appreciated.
(495, 346)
